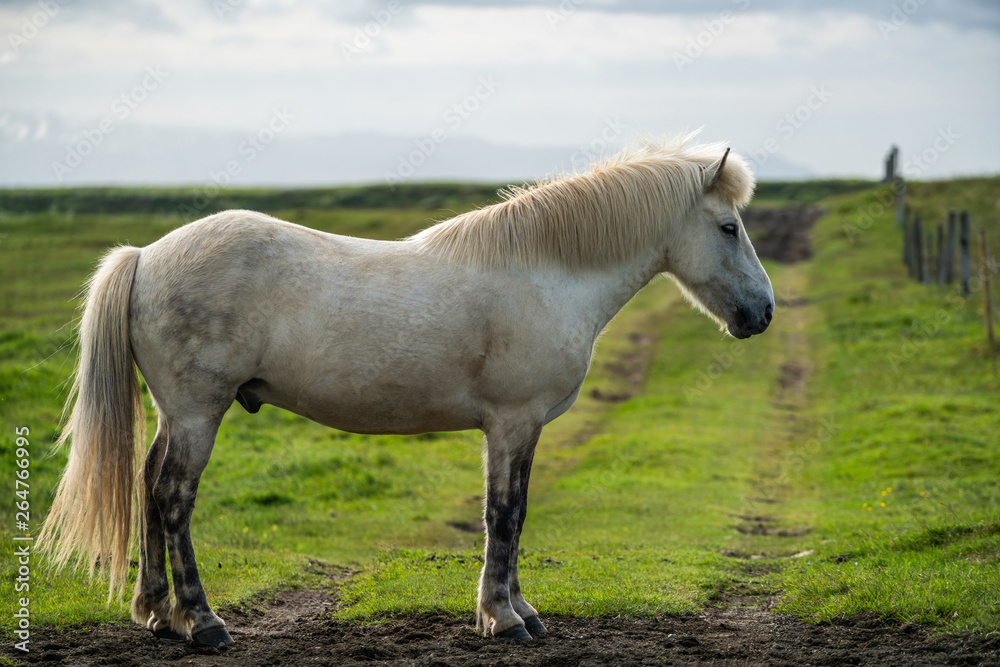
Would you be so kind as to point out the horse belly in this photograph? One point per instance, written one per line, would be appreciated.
(376, 405)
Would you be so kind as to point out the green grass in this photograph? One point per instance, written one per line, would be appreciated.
(803, 193)
(945, 576)
(636, 502)
(191, 203)
(905, 491)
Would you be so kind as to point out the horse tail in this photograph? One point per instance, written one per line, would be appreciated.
(92, 513)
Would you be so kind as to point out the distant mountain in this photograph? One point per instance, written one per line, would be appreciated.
(776, 168)
(46, 151)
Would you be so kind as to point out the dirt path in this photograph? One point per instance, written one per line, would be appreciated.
(778, 458)
(784, 234)
(296, 629)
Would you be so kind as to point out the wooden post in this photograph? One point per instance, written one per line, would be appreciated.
(907, 248)
(949, 262)
(963, 243)
(987, 266)
(900, 199)
(891, 164)
(918, 247)
(940, 255)
(929, 260)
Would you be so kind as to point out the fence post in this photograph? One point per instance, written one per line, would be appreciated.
(987, 266)
(940, 255)
(949, 262)
(900, 199)
(918, 247)
(907, 248)
(963, 222)
(929, 260)
(891, 164)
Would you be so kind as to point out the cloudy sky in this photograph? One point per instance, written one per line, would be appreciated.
(287, 90)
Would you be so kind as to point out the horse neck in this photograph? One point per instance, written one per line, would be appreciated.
(612, 283)
(611, 287)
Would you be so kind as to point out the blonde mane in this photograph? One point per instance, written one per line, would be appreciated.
(598, 217)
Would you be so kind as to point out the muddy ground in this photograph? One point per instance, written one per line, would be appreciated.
(295, 627)
(784, 234)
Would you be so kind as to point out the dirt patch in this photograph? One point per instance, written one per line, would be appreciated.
(610, 397)
(296, 629)
(792, 376)
(783, 234)
(476, 526)
(773, 531)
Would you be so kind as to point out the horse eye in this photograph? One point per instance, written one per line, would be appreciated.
(729, 228)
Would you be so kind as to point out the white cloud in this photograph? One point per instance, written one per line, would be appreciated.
(560, 82)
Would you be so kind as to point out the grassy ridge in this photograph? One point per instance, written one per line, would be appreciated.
(190, 203)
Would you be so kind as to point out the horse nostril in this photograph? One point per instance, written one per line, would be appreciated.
(768, 312)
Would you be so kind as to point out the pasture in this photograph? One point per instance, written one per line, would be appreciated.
(844, 465)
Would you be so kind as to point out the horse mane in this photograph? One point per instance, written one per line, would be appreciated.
(603, 215)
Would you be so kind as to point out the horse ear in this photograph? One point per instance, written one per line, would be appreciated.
(716, 170)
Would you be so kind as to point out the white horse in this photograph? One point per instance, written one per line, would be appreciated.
(484, 321)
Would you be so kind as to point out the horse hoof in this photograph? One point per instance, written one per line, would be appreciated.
(217, 636)
(514, 632)
(534, 625)
(166, 634)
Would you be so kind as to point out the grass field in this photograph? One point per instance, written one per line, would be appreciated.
(847, 460)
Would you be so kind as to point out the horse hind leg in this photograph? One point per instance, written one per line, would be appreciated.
(532, 623)
(188, 449)
(151, 600)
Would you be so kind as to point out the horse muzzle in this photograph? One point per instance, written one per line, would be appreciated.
(748, 322)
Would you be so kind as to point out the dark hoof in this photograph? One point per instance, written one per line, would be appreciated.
(514, 632)
(534, 625)
(217, 636)
(166, 634)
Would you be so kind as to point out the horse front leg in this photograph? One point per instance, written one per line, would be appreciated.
(532, 623)
(187, 454)
(507, 454)
(151, 599)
